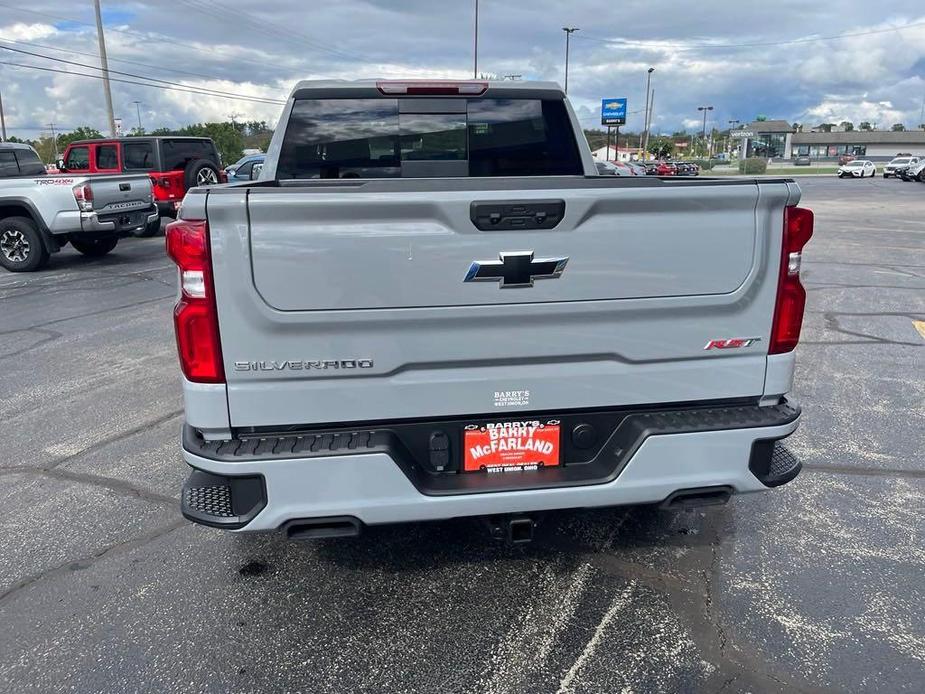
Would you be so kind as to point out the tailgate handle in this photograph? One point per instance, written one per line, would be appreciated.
(125, 186)
(508, 215)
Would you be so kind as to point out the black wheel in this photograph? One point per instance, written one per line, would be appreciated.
(21, 247)
(200, 172)
(93, 248)
(151, 229)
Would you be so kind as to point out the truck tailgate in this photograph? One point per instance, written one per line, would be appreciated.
(350, 301)
(349, 249)
(120, 193)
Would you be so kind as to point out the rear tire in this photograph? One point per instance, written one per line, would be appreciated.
(94, 248)
(151, 229)
(21, 247)
(200, 172)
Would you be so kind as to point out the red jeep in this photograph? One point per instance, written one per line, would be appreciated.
(175, 165)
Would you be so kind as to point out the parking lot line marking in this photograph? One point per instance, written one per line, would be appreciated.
(618, 604)
(920, 326)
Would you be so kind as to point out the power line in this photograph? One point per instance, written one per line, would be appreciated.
(113, 60)
(144, 84)
(204, 90)
(268, 28)
(638, 43)
(160, 37)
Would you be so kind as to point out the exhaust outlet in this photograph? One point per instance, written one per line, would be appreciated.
(699, 496)
(316, 528)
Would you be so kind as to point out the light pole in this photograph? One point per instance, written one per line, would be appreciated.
(2, 121)
(104, 64)
(568, 34)
(475, 52)
(138, 111)
(703, 133)
(645, 143)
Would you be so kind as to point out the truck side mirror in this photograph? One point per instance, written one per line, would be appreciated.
(60, 165)
(255, 171)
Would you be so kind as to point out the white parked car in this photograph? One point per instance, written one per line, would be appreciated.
(898, 163)
(859, 168)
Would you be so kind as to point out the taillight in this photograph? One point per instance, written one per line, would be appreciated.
(791, 297)
(195, 316)
(83, 194)
(432, 87)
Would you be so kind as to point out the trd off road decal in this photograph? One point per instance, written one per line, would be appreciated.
(511, 446)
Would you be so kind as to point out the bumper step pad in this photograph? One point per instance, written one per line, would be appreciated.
(222, 502)
(773, 463)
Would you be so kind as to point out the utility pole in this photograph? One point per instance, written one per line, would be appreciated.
(703, 132)
(104, 63)
(234, 124)
(649, 120)
(645, 141)
(568, 34)
(138, 111)
(2, 121)
(475, 50)
(54, 139)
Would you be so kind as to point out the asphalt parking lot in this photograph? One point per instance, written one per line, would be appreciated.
(818, 586)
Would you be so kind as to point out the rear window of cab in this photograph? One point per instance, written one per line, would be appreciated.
(376, 137)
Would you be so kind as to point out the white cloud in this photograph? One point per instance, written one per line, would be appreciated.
(237, 47)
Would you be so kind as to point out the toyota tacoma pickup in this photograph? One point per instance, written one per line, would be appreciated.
(39, 213)
(430, 306)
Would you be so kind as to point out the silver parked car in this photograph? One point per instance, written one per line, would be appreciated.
(897, 164)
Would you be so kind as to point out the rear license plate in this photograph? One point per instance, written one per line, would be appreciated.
(511, 446)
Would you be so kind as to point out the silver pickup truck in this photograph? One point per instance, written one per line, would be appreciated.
(40, 213)
(431, 306)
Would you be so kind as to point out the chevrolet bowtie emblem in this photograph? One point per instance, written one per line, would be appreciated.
(515, 269)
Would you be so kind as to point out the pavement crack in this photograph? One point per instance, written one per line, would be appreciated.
(89, 560)
(864, 471)
(118, 437)
(90, 314)
(832, 323)
(111, 483)
(49, 336)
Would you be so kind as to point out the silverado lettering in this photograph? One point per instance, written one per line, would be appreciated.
(299, 365)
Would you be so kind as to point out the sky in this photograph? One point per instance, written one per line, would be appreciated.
(806, 62)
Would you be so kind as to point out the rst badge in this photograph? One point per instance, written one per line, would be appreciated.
(732, 343)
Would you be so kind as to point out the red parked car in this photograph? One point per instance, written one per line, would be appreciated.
(665, 168)
(175, 164)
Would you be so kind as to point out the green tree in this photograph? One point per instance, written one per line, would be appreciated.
(596, 138)
(865, 125)
(897, 127)
(847, 125)
(45, 147)
(82, 133)
(661, 147)
(825, 127)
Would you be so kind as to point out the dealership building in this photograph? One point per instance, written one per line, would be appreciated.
(777, 139)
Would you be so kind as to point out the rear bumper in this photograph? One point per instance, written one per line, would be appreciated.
(371, 485)
(91, 222)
